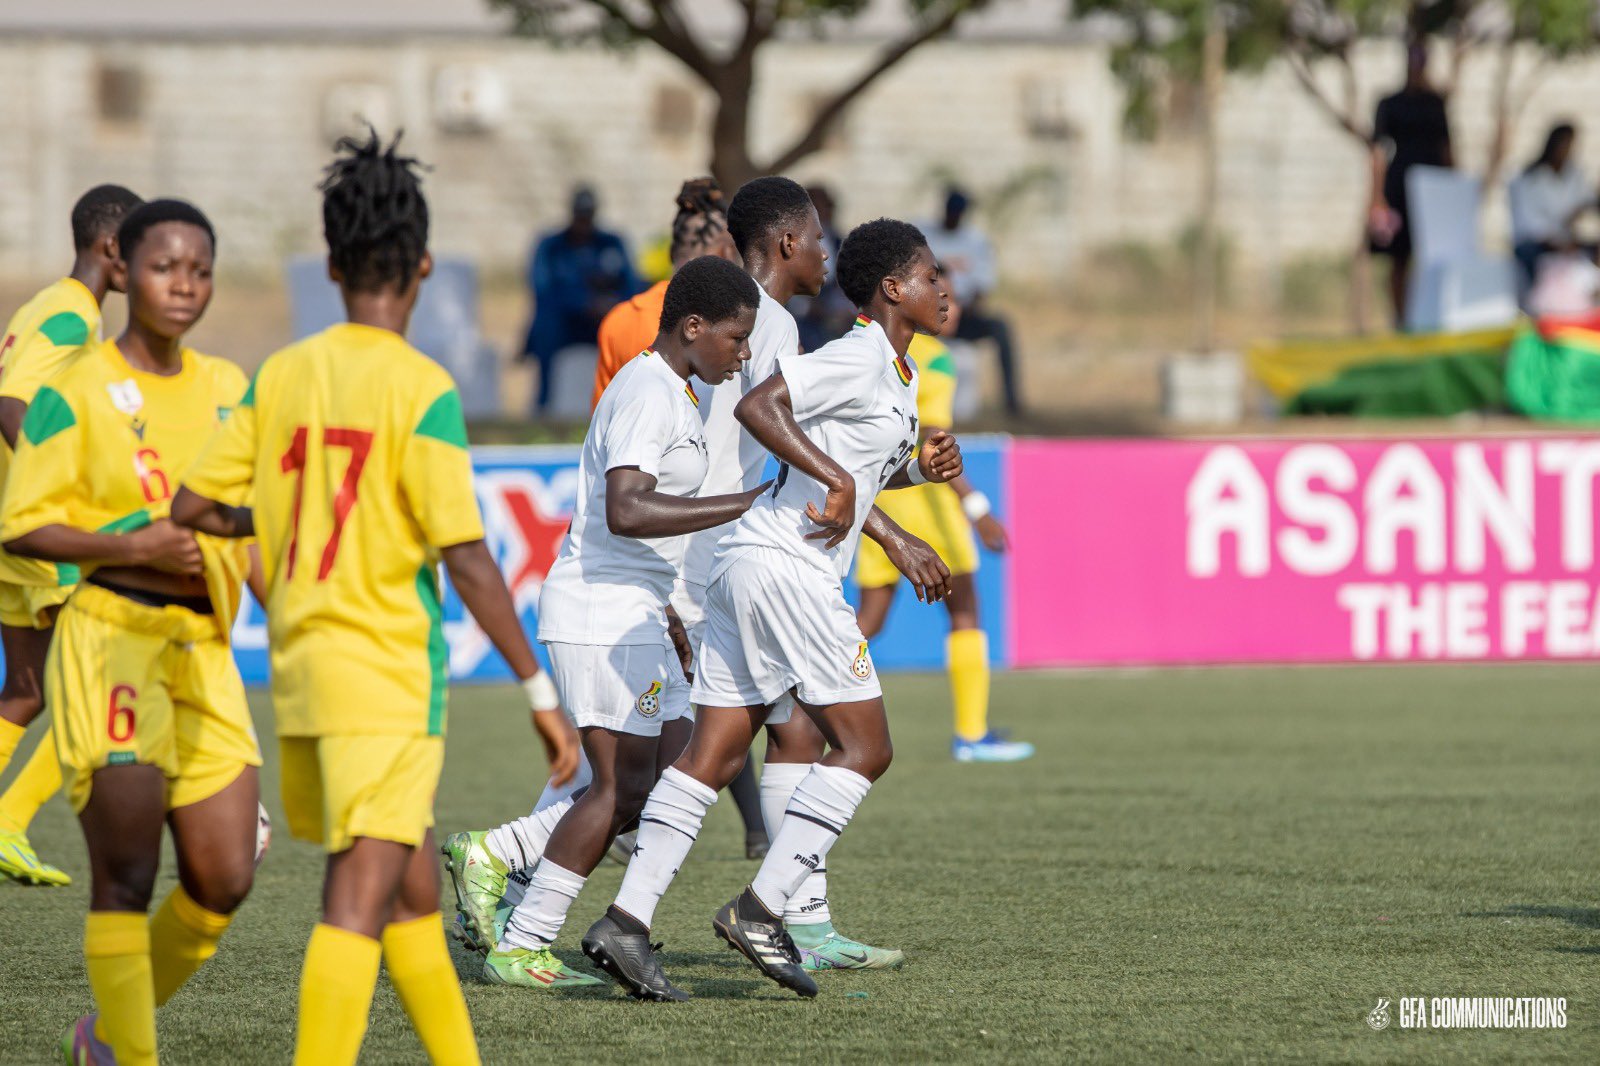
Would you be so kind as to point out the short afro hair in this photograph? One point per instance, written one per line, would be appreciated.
(882, 248)
(710, 287)
(374, 217)
(99, 213)
(764, 207)
(147, 216)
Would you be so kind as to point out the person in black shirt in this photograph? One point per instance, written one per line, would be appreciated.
(1410, 129)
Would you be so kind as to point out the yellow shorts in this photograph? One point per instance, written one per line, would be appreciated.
(131, 684)
(31, 606)
(339, 787)
(932, 512)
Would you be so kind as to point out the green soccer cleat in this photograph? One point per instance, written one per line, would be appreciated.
(533, 969)
(20, 862)
(822, 947)
(479, 879)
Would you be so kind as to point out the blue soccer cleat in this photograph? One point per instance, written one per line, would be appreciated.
(991, 747)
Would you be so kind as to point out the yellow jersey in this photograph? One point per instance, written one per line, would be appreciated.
(354, 445)
(47, 333)
(102, 447)
(936, 391)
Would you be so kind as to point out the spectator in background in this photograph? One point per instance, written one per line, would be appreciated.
(829, 314)
(967, 258)
(1410, 129)
(578, 274)
(1546, 201)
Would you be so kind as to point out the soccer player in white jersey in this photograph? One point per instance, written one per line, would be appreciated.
(603, 610)
(842, 422)
(775, 227)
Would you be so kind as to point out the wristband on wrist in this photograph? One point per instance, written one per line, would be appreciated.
(914, 472)
(976, 504)
(541, 692)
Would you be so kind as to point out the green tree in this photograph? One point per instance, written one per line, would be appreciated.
(728, 68)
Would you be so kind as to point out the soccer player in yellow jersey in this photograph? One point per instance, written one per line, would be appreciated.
(355, 449)
(945, 516)
(45, 335)
(150, 715)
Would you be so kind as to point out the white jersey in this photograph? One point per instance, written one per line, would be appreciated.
(856, 399)
(608, 589)
(737, 461)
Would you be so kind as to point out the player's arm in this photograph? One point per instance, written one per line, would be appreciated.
(635, 508)
(483, 591)
(211, 496)
(767, 412)
(204, 515)
(912, 556)
(160, 545)
(34, 361)
(12, 412)
(937, 461)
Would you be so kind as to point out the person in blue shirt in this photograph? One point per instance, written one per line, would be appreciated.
(578, 273)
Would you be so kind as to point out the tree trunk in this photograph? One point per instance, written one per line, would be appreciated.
(731, 162)
(1213, 58)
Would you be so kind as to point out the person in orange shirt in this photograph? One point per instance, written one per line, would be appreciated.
(700, 228)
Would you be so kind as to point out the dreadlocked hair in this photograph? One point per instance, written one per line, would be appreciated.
(374, 216)
(702, 214)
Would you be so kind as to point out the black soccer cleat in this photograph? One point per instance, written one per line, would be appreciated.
(760, 936)
(630, 959)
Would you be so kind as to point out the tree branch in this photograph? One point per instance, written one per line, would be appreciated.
(816, 133)
(1345, 120)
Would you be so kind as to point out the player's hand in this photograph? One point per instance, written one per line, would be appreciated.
(838, 514)
(992, 533)
(168, 548)
(921, 565)
(940, 457)
(680, 644)
(561, 747)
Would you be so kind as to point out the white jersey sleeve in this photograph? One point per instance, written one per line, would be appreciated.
(829, 382)
(637, 433)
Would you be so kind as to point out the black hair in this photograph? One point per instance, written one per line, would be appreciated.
(763, 207)
(374, 217)
(153, 213)
(701, 212)
(710, 287)
(98, 213)
(882, 248)
(1561, 131)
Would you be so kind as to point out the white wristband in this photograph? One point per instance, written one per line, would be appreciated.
(976, 504)
(541, 692)
(914, 472)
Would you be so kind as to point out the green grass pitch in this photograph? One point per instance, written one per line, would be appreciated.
(1200, 866)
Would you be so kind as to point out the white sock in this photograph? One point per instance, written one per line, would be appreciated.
(778, 782)
(538, 919)
(668, 825)
(520, 844)
(822, 806)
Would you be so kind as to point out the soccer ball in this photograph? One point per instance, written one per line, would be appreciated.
(263, 832)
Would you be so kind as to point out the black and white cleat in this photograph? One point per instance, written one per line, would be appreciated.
(759, 935)
(630, 959)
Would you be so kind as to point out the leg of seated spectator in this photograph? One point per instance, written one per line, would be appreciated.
(975, 327)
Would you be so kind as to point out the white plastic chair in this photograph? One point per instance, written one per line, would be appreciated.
(1454, 285)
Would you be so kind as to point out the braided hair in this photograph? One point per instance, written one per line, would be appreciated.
(702, 215)
(374, 217)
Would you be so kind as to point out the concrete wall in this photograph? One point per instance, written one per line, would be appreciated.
(240, 127)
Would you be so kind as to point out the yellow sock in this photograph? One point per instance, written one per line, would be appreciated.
(420, 968)
(183, 935)
(10, 736)
(967, 653)
(116, 947)
(336, 987)
(38, 780)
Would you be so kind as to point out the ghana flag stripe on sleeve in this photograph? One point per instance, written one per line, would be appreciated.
(352, 448)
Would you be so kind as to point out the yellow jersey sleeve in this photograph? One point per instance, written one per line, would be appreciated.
(225, 469)
(37, 356)
(436, 475)
(936, 386)
(49, 468)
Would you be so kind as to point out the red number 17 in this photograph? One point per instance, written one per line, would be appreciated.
(359, 441)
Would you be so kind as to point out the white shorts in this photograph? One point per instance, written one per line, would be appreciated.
(689, 600)
(773, 624)
(631, 688)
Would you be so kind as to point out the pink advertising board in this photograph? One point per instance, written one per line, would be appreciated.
(1168, 551)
